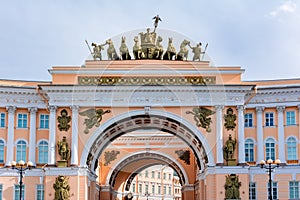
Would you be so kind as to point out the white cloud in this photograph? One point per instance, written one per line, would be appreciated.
(286, 7)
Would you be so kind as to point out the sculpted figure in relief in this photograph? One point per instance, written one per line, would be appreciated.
(63, 149)
(62, 188)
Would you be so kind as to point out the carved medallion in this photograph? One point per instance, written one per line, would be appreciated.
(230, 118)
(184, 155)
(94, 117)
(63, 121)
(201, 117)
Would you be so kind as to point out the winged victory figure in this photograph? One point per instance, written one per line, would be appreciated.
(94, 118)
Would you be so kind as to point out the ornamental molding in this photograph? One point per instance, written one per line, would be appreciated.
(118, 80)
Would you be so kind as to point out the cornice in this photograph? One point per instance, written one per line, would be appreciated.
(23, 97)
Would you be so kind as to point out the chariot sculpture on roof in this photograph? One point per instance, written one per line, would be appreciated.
(147, 45)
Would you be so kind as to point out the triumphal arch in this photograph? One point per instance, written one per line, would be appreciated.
(156, 101)
(146, 107)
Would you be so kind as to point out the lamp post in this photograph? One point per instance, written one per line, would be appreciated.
(269, 166)
(21, 170)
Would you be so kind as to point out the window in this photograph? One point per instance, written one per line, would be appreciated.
(170, 177)
(248, 120)
(153, 173)
(294, 190)
(133, 187)
(140, 188)
(165, 189)
(249, 150)
(22, 120)
(2, 120)
(159, 189)
(1, 151)
(146, 173)
(40, 192)
(146, 188)
(291, 148)
(252, 191)
(153, 189)
(170, 190)
(269, 117)
(21, 151)
(270, 149)
(165, 176)
(290, 118)
(158, 175)
(44, 121)
(43, 152)
(17, 192)
(1, 188)
(274, 190)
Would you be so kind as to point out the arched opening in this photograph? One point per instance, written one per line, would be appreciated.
(118, 179)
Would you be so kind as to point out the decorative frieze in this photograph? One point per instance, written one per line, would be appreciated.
(117, 80)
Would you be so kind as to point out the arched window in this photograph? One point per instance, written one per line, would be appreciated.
(291, 148)
(249, 150)
(1, 151)
(43, 152)
(21, 151)
(270, 149)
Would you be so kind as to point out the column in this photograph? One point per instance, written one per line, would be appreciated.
(52, 135)
(219, 136)
(10, 134)
(241, 134)
(32, 134)
(74, 149)
(260, 134)
(281, 139)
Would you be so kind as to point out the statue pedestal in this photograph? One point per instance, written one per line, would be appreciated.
(231, 162)
(62, 163)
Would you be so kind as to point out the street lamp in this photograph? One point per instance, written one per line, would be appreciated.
(21, 170)
(269, 166)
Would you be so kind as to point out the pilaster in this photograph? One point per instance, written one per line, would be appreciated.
(281, 149)
(241, 135)
(74, 148)
(260, 134)
(10, 134)
(32, 134)
(52, 135)
(219, 136)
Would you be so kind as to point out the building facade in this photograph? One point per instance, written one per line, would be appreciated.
(98, 126)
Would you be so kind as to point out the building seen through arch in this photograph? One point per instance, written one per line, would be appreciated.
(155, 105)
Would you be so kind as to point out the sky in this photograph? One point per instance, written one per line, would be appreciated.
(262, 37)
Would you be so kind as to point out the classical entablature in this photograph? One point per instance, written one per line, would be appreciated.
(22, 97)
(272, 96)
